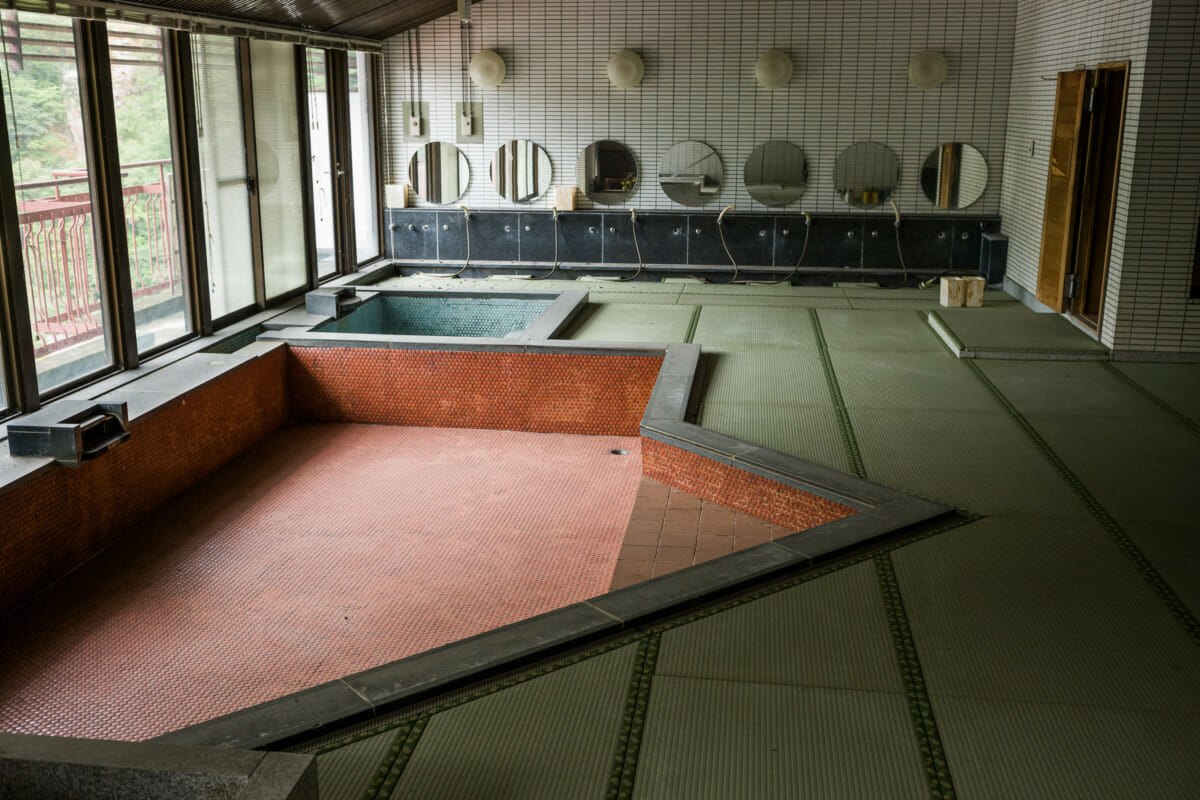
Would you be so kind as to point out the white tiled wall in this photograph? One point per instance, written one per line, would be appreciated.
(1153, 310)
(850, 84)
(1158, 193)
(1055, 36)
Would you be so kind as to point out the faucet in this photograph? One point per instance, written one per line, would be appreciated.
(633, 215)
(555, 210)
(724, 211)
(466, 212)
(895, 211)
(807, 218)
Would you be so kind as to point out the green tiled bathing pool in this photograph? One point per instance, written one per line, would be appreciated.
(481, 316)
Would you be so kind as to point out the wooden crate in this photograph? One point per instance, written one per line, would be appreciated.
(953, 292)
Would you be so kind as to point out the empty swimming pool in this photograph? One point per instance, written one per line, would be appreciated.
(413, 315)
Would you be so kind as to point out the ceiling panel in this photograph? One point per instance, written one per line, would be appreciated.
(372, 19)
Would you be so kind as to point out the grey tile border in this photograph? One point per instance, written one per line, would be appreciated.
(39, 766)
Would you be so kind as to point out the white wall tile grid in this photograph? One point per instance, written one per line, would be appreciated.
(1055, 36)
(1154, 311)
(850, 84)
(1158, 195)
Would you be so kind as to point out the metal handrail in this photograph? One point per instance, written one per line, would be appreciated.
(59, 259)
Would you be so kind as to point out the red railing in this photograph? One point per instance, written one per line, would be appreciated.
(60, 273)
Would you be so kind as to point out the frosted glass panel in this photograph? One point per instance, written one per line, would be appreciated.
(280, 189)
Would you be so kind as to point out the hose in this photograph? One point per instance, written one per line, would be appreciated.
(554, 268)
(467, 263)
(636, 246)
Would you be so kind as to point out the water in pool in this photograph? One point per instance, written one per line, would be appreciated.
(495, 317)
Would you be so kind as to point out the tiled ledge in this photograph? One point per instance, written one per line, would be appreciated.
(878, 511)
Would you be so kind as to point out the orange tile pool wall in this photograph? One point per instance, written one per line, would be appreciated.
(737, 489)
(541, 392)
(65, 515)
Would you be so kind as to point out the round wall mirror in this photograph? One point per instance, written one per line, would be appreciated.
(776, 173)
(439, 173)
(607, 172)
(954, 175)
(866, 174)
(690, 173)
(520, 171)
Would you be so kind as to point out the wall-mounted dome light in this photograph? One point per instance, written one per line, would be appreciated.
(487, 69)
(774, 69)
(926, 70)
(625, 69)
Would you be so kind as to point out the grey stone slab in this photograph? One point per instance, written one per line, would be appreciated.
(831, 483)
(649, 349)
(304, 713)
(53, 767)
(296, 318)
(862, 528)
(669, 400)
(283, 776)
(646, 601)
(560, 313)
(681, 360)
(140, 404)
(17, 470)
(409, 679)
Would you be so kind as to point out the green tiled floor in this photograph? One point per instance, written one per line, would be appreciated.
(719, 739)
(1051, 658)
(809, 433)
(631, 322)
(839, 618)
(1178, 385)
(1012, 327)
(554, 736)
(974, 460)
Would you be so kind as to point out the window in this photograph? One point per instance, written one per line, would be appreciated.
(362, 156)
(147, 184)
(320, 142)
(280, 184)
(67, 310)
(224, 177)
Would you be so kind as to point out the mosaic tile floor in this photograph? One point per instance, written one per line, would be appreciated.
(670, 530)
(326, 550)
(1047, 646)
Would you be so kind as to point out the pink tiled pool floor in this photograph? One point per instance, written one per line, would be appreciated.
(326, 550)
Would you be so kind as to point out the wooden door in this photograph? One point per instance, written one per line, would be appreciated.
(1062, 189)
(1099, 192)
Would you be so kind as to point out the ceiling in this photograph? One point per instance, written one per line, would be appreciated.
(371, 19)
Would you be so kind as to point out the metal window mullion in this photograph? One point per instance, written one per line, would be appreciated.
(377, 145)
(306, 182)
(16, 335)
(338, 81)
(189, 190)
(256, 239)
(104, 170)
